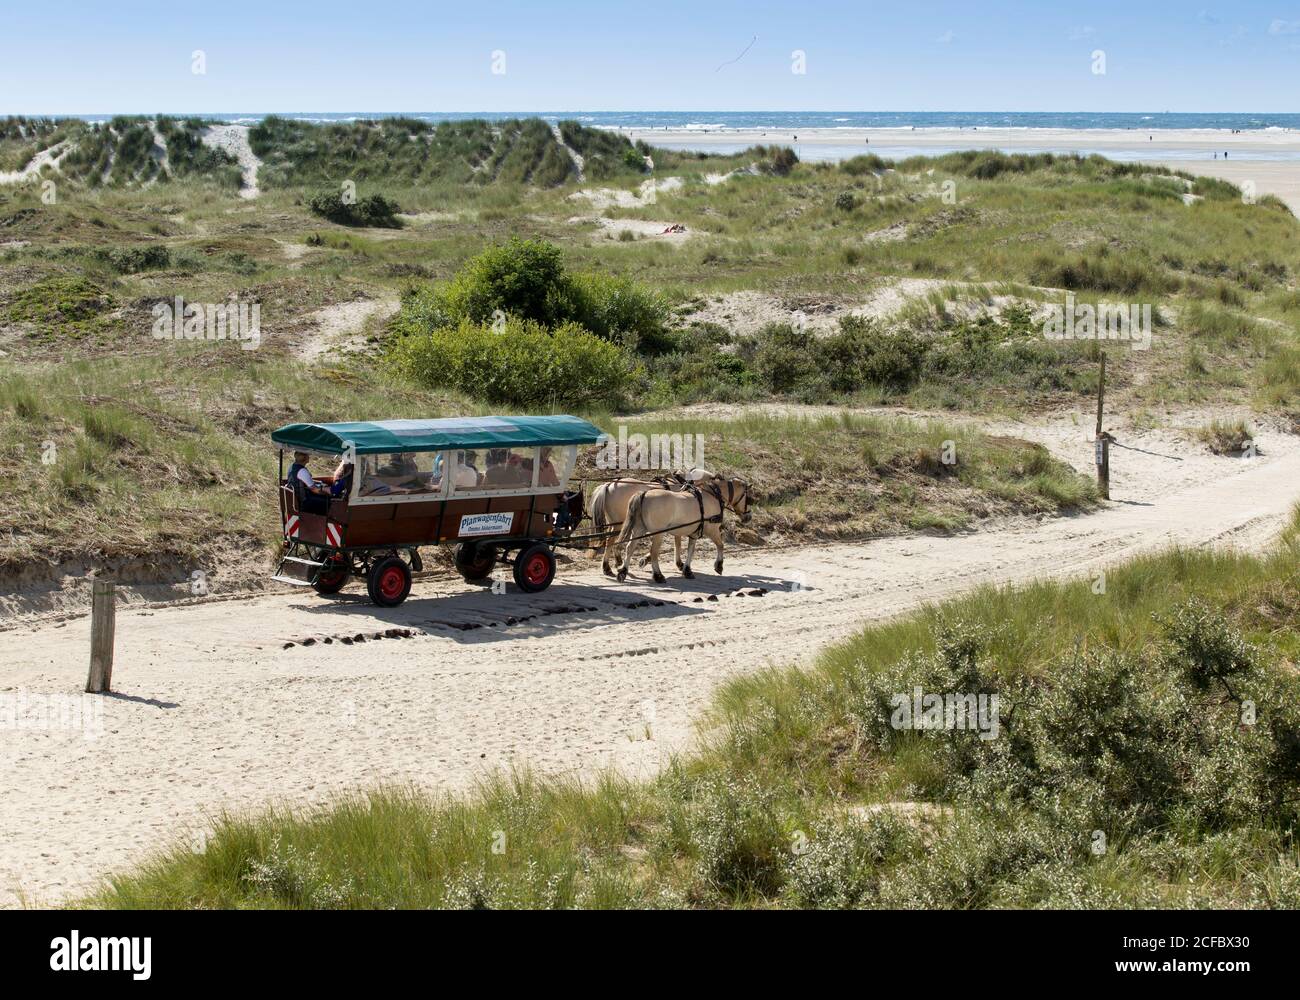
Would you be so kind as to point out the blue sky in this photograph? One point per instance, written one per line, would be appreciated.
(74, 57)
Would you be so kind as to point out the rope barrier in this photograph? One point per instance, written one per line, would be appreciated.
(1156, 454)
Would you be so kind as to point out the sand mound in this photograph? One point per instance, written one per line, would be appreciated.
(234, 140)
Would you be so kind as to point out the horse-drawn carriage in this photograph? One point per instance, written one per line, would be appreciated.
(494, 487)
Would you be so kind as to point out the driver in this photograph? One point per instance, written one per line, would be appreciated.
(301, 479)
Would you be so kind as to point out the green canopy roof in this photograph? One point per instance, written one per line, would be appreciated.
(383, 436)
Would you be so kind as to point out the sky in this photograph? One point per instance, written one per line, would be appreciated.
(75, 57)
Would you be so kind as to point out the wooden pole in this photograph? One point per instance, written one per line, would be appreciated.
(1102, 438)
(102, 628)
(1101, 391)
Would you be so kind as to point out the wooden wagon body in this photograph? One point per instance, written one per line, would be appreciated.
(497, 487)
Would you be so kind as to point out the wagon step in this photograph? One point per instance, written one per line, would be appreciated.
(307, 568)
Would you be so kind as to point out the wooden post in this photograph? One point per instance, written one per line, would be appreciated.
(1102, 439)
(102, 627)
(1101, 391)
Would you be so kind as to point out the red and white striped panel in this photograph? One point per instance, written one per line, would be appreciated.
(291, 526)
(334, 534)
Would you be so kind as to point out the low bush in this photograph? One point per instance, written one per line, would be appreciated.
(861, 354)
(520, 363)
(620, 309)
(869, 163)
(373, 210)
(133, 260)
(1099, 271)
(1225, 437)
(778, 160)
(527, 279)
(71, 306)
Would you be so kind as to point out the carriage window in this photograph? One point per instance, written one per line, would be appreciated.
(494, 469)
(401, 473)
(556, 466)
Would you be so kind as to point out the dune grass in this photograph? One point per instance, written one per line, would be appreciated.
(1147, 756)
(1219, 271)
(167, 458)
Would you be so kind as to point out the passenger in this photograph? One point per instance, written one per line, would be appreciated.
(403, 464)
(547, 476)
(342, 485)
(504, 471)
(466, 472)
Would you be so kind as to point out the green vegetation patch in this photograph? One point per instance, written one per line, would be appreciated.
(519, 362)
(372, 210)
(62, 307)
(1143, 752)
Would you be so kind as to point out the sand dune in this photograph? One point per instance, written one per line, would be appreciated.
(1269, 159)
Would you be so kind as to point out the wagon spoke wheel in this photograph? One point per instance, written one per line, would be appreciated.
(389, 581)
(474, 560)
(333, 576)
(534, 568)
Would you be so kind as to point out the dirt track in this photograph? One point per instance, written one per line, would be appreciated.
(212, 710)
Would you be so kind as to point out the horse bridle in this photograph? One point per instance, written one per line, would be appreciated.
(730, 502)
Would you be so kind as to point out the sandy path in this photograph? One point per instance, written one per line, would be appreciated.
(213, 711)
(341, 328)
(46, 157)
(234, 140)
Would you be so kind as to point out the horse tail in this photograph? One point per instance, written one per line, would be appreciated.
(631, 520)
(598, 504)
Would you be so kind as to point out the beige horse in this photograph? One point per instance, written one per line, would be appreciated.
(609, 503)
(686, 513)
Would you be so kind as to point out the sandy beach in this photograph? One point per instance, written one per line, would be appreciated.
(1269, 158)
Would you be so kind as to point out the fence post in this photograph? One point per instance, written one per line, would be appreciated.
(1103, 466)
(1102, 439)
(103, 610)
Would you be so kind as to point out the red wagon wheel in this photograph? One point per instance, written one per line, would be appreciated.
(535, 568)
(389, 581)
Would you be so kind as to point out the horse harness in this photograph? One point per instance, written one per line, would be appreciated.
(698, 492)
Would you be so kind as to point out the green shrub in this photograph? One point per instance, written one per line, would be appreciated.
(132, 260)
(736, 836)
(373, 210)
(521, 363)
(527, 279)
(784, 357)
(846, 201)
(618, 308)
(860, 354)
(523, 278)
(845, 859)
